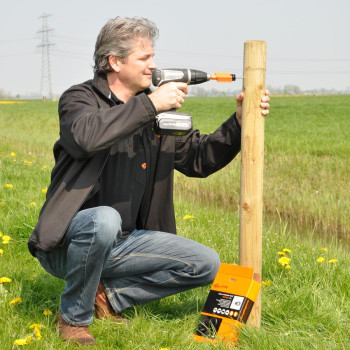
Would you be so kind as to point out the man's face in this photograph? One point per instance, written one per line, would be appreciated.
(136, 70)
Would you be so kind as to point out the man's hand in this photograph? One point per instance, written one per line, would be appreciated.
(169, 96)
(264, 105)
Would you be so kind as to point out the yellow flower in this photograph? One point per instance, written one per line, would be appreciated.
(9, 186)
(281, 253)
(13, 154)
(21, 342)
(45, 166)
(284, 261)
(6, 239)
(47, 313)
(286, 250)
(32, 204)
(16, 301)
(323, 249)
(1, 251)
(1, 234)
(320, 260)
(35, 325)
(44, 190)
(37, 333)
(5, 280)
(288, 267)
(266, 283)
(333, 261)
(164, 349)
(187, 217)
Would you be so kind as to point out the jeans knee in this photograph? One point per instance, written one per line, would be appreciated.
(215, 264)
(210, 265)
(107, 225)
(100, 224)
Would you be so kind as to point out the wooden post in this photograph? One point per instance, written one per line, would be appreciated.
(250, 233)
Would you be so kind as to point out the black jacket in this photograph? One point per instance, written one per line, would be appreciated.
(92, 126)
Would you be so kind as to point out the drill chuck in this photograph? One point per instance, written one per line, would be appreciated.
(188, 76)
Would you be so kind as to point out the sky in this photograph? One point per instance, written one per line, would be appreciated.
(308, 41)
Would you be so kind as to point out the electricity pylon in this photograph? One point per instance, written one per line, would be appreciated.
(46, 82)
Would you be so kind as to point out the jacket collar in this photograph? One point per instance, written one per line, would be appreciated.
(101, 84)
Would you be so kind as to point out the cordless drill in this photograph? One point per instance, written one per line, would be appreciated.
(188, 76)
(174, 123)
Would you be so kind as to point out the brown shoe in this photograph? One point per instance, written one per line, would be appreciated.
(103, 308)
(80, 334)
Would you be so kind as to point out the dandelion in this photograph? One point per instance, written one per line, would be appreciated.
(37, 333)
(36, 330)
(47, 313)
(35, 325)
(32, 204)
(44, 190)
(16, 301)
(21, 342)
(9, 186)
(281, 253)
(187, 217)
(13, 154)
(266, 283)
(1, 251)
(6, 239)
(288, 267)
(284, 261)
(45, 166)
(5, 280)
(1, 234)
(323, 249)
(332, 261)
(320, 260)
(286, 250)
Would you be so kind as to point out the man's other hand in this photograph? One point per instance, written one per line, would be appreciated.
(264, 105)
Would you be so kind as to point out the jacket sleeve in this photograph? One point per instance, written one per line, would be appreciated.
(199, 155)
(86, 128)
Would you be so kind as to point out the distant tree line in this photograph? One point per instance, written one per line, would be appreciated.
(286, 90)
(202, 92)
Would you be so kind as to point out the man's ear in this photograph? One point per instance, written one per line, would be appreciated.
(115, 62)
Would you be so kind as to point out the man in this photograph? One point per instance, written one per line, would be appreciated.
(107, 226)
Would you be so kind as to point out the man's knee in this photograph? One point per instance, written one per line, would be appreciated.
(108, 224)
(102, 224)
(208, 265)
(213, 264)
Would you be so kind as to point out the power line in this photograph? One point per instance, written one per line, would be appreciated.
(46, 83)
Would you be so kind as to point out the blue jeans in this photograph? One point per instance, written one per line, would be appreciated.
(141, 267)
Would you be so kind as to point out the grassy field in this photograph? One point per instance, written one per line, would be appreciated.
(306, 187)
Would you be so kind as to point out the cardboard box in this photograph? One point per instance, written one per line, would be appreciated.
(228, 305)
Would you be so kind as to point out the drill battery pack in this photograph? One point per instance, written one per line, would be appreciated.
(173, 123)
(228, 305)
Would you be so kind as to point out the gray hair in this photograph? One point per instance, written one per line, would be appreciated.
(117, 37)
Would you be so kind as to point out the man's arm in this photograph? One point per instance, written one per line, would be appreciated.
(86, 129)
(199, 155)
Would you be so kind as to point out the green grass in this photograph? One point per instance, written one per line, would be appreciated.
(307, 155)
